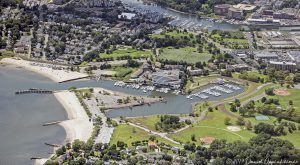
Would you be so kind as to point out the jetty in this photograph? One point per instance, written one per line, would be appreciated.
(51, 123)
(53, 145)
(33, 90)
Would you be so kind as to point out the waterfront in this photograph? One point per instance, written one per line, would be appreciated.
(22, 116)
(181, 18)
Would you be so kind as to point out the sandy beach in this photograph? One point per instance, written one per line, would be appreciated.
(55, 75)
(78, 126)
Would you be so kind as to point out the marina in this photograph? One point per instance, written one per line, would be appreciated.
(179, 19)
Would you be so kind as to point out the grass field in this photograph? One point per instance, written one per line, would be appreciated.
(188, 54)
(133, 53)
(294, 96)
(129, 134)
(198, 82)
(122, 72)
(147, 122)
(233, 41)
(213, 125)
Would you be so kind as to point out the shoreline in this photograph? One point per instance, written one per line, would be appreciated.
(58, 76)
(77, 126)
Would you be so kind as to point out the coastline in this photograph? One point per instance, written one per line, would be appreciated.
(77, 126)
(55, 75)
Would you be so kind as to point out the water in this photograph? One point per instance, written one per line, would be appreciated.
(22, 134)
(182, 18)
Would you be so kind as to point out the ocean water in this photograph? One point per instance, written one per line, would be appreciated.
(22, 135)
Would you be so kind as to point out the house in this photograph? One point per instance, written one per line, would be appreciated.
(195, 72)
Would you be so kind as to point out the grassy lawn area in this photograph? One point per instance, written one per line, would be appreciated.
(187, 54)
(199, 82)
(121, 53)
(233, 40)
(213, 125)
(284, 100)
(129, 134)
(147, 122)
(123, 72)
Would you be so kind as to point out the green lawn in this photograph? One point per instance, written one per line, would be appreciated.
(213, 125)
(284, 100)
(133, 53)
(128, 134)
(199, 82)
(147, 122)
(187, 54)
(122, 72)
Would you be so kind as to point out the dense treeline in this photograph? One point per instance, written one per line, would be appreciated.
(260, 148)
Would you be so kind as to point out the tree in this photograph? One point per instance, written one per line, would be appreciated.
(240, 121)
(270, 91)
(193, 137)
(227, 121)
(249, 125)
(77, 145)
(233, 108)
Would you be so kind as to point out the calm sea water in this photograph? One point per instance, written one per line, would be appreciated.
(21, 117)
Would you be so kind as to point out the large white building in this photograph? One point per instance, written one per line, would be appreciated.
(166, 78)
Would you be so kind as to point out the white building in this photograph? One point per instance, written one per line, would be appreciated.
(281, 65)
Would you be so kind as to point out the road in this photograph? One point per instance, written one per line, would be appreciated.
(105, 132)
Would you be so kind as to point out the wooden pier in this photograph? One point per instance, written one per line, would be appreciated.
(34, 90)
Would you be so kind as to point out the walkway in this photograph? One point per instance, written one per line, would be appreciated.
(162, 135)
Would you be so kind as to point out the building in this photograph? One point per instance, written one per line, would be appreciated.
(235, 13)
(266, 56)
(238, 67)
(221, 9)
(246, 7)
(295, 57)
(283, 15)
(166, 78)
(196, 72)
(282, 65)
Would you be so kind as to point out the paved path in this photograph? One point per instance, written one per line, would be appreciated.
(162, 135)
